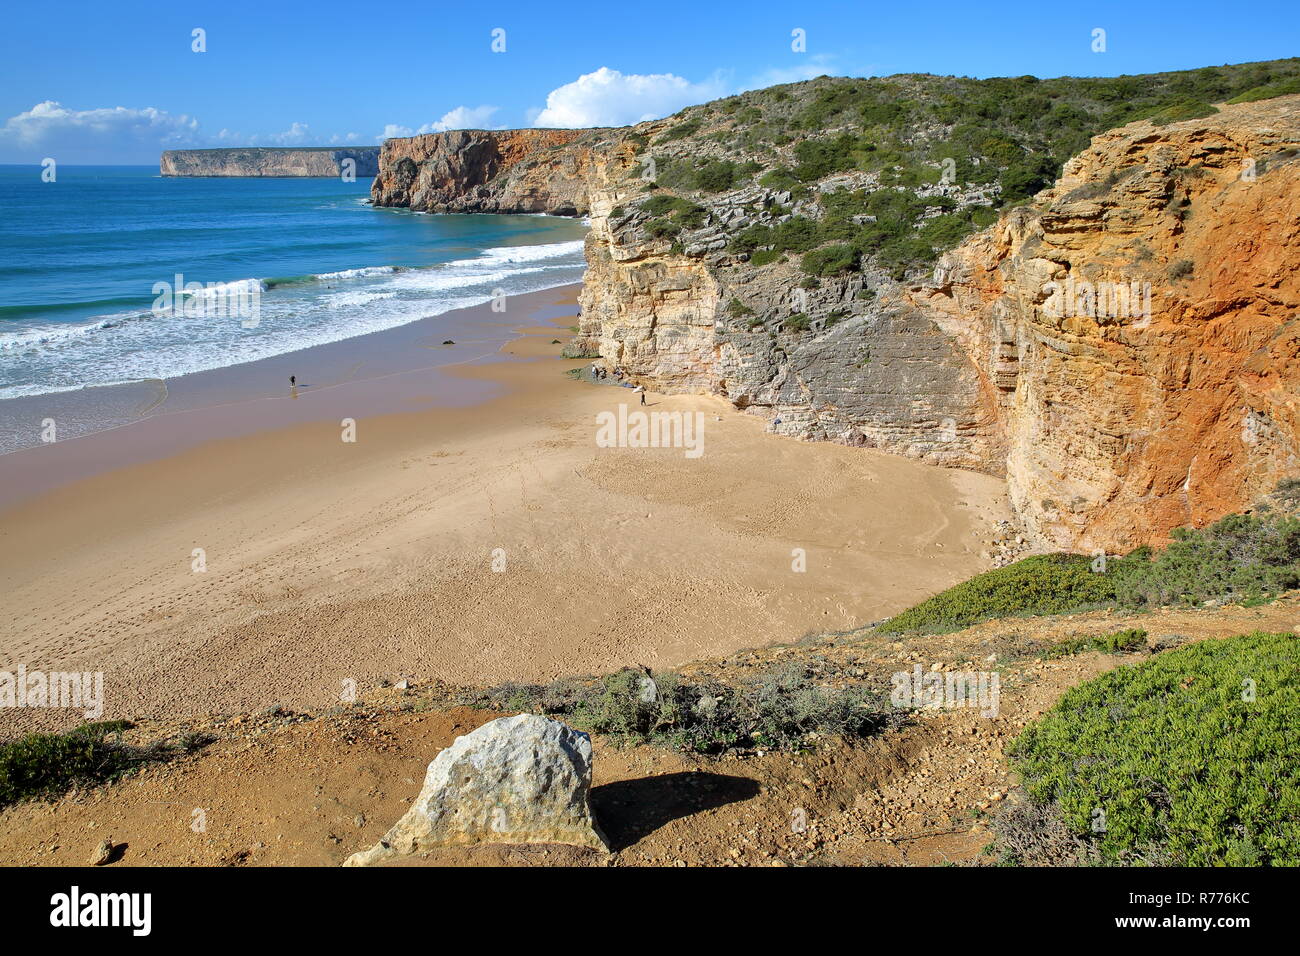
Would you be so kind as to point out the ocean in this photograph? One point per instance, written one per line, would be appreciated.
(93, 264)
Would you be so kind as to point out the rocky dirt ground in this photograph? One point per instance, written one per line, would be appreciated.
(283, 788)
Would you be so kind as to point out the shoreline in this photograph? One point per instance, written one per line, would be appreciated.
(329, 564)
(253, 396)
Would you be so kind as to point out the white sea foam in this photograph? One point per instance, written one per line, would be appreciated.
(215, 290)
(362, 273)
(130, 346)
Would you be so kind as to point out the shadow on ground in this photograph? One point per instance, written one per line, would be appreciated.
(630, 810)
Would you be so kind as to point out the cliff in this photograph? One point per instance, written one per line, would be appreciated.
(1121, 346)
(1157, 388)
(273, 162)
(1122, 421)
(489, 171)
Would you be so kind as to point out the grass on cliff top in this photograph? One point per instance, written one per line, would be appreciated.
(1187, 759)
(1242, 557)
(1267, 91)
(783, 709)
(1010, 134)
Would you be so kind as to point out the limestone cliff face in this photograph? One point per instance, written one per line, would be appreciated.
(882, 375)
(1139, 324)
(271, 162)
(1125, 349)
(489, 171)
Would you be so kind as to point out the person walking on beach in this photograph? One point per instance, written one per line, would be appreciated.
(293, 381)
(641, 390)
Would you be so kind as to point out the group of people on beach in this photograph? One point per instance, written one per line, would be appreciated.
(600, 374)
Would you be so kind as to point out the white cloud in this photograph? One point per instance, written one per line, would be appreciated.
(610, 98)
(126, 135)
(96, 135)
(462, 117)
(393, 131)
(296, 135)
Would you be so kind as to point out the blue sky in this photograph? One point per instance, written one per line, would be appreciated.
(110, 82)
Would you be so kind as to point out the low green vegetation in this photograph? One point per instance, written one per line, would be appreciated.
(45, 766)
(682, 130)
(1187, 759)
(783, 709)
(1184, 110)
(710, 176)
(1043, 584)
(1269, 90)
(1243, 557)
(1009, 135)
(1120, 642)
(671, 214)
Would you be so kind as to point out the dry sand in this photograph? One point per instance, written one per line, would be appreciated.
(331, 562)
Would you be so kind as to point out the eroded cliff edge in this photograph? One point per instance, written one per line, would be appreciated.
(1123, 348)
(492, 171)
(273, 162)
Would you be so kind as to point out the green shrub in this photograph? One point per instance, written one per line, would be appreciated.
(830, 260)
(821, 157)
(779, 710)
(1184, 110)
(1268, 91)
(1118, 643)
(797, 323)
(659, 228)
(680, 213)
(1044, 584)
(782, 180)
(682, 130)
(44, 766)
(1188, 758)
(1238, 558)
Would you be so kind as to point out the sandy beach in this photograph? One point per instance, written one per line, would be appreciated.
(476, 539)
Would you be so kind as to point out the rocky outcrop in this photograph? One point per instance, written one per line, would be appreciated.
(285, 162)
(521, 779)
(489, 171)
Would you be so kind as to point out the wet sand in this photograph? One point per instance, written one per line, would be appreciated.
(330, 562)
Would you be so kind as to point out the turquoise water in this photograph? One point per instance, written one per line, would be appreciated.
(283, 264)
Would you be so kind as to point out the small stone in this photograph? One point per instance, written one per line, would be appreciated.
(103, 853)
